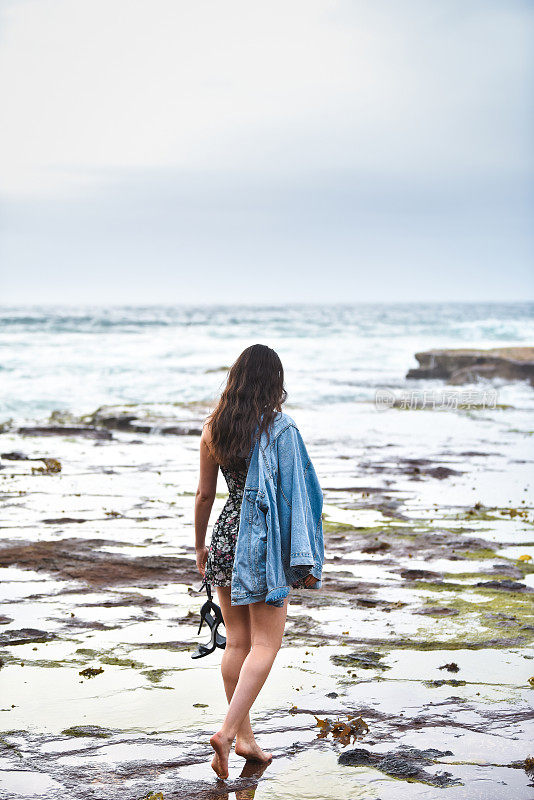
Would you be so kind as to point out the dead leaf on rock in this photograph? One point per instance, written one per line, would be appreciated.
(51, 466)
(342, 731)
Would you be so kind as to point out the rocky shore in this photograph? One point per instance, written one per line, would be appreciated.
(409, 673)
(467, 366)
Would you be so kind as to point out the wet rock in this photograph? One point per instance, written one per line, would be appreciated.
(358, 758)
(424, 467)
(444, 682)
(507, 569)
(120, 422)
(93, 731)
(24, 636)
(369, 659)
(15, 455)
(132, 423)
(378, 547)
(501, 620)
(419, 574)
(442, 472)
(437, 611)
(506, 585)
(133, 599)
(464, 365)
(403, 764)
(182, 430)
(62, 430)
(82, 559)
(398, 767)
(62, 521)
(91, 625)
(173, 647)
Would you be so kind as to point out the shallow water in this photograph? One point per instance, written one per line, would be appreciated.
(420, 572)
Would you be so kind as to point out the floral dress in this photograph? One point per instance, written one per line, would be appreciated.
(224, 534)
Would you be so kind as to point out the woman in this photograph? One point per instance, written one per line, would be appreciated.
(253, 394)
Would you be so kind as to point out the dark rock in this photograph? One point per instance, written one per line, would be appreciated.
(429, 754)
(423, 467)
(24, 636)
(452, 667)
(182, 430)
(358, 757)
(129, 422)
(81, 559)
(506, 585)
(61, 430)
(379, 547)
(94, 731)
(404, 764)
(507, 569)
(122, 422)
(364, 660)
(442, 472)
(438, 611)
(62, 521)
(464, 365)
(443, 682)
(419, 574)
(398, 767)
(16, 455)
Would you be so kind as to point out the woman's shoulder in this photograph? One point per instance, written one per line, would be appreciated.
(205, 438)
(283, 420)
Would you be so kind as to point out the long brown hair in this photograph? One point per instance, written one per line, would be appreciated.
(254, 386)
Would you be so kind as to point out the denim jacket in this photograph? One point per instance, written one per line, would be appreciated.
(280, 536)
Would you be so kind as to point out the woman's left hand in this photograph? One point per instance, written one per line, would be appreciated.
(202, 557)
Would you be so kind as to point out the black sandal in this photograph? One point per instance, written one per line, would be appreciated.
(211, 614)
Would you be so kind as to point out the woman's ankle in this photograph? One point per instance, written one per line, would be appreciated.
(245, 738)
(225, 736)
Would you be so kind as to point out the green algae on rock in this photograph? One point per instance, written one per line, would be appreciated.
(92, 731)
(369, 659)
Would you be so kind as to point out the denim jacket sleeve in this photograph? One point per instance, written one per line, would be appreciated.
(302, 496)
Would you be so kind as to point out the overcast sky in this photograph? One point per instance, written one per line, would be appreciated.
(299, 150)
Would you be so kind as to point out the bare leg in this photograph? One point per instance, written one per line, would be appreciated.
(238, 642)
(267, 628)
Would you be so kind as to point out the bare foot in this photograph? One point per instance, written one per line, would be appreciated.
(252, 751)
(221, 745)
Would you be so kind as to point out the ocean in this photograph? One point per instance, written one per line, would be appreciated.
(76, 359)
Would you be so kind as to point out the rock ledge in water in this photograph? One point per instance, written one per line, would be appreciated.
(467, 366)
